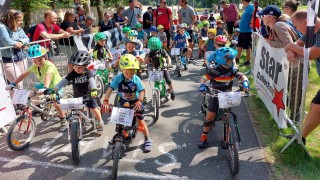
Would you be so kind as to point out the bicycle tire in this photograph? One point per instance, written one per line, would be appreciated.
(233, 146)
(116, 101)
(75, 145)
(116, 158)
(178, 66)
(100, 86)
(14, 144)
(156, 104)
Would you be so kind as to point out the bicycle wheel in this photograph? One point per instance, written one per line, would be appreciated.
(21, 133)
(156, 104)
(116, 157)
(116, 101)
(178, 66)
(233, 145)
(100, 86)
(75, 138)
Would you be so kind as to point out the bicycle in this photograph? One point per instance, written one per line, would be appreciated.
(180, 60)
(231, 135)
(75, 123)
(126, 129)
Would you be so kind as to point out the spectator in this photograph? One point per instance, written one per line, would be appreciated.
(147, 20)
(163, 16)
(289, 7)
(299, 20)
(11, 34)
(49, 30)
(132, 15)
(187, 15)
(71, 27)
(80, 16)
(245, 39)
(116, 18)
(107, 23)
(76, 4)
(230, 15)
(280, 33)
(87, 26)
(206, 12)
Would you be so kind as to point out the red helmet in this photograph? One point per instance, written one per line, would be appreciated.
(201, 18)
(220, 39)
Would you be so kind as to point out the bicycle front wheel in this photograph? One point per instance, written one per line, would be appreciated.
(156, 104)
(75, 141)
(100, 86)
(116, 158)
(178, 66)
(21, 133)
(233, 145)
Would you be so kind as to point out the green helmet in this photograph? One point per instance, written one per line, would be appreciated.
(133, 33)
(205, 23)
(154, 44)
(100, 36)
(139, 25)
(36, 51)
(128, 61)
(126, 29)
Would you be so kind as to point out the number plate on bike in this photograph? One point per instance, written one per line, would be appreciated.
(71, 103)
(175, 51)
(123, 116)
(156, 75)
(229, 99)
(20, 96)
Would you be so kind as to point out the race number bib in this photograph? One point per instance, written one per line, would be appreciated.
(20, 96)
(175, 51)
(71, 103)
(155, 75)
(123, 116)
(229, 99)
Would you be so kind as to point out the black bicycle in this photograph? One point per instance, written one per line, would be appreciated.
(231, 135)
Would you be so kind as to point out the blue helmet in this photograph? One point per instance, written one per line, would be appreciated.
(153, 29)
(36, 51)
(221, 55)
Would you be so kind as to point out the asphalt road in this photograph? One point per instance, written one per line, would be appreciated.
(175, 154)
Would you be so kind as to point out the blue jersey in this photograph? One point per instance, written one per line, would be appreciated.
(203, 33)
(210, 45)
(244, 24)
(128, 90)
(220, 31)
(181, 40)
(141, 34)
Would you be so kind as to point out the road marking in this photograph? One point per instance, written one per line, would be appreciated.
(207, 153)
(47, 145)
(88, 169)
(161, 148)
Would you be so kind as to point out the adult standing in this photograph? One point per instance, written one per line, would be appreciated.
(290, 7)
(131, 15)
(299, 20)
(107, 23)
(187, 15)
(230, 15)
(11, 34)
(147, 20)
(116, 18)
(163, 16)
(245, 39)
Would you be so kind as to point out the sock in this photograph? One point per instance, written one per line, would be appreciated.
(146, 138)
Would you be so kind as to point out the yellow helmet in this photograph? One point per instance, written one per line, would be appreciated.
(211, 30)
(128, 61)
(160, 27)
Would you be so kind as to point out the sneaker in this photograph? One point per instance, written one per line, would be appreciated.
(63, 127)
(169, 66)
(224, 144)
(99, 129)
(247, 63)
(147, 145)
(172, 96)
(203, 141)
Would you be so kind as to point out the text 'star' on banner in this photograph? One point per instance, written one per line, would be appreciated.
(271, 78)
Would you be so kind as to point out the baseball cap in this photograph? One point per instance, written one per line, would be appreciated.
(270, 10)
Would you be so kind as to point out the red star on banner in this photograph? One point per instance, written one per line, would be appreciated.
(277, 100)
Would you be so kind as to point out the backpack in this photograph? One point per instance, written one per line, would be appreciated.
(157, 14)
(32, 29)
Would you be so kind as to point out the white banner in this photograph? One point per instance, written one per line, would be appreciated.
(271, 76)
(7, 113)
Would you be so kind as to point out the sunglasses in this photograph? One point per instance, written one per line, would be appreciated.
(221, 45)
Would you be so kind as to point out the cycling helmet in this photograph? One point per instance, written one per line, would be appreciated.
(128, 61)
(126, 29)
(201, 18)
(212, 30)
(80, 58)
(221, 55)
(180, 26)
(236, 30)
(220, 22)
(221, 39)
(205, 24)
(133, 33)
(100, 36)
(36, 51)
(139, 25)
(160, 27)
(153, 29)
(154, 44)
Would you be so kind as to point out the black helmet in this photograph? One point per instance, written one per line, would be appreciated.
(80, 58)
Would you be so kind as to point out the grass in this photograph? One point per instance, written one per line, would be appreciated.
(292, 163)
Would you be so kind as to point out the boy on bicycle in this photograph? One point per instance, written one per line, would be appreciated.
(158, 58)
(131, 92)
(221, 78)
(219, 41)
(101, 50)
(125, 39)
(46, 72)
(208, 45)
(83, 83)
(181, 41)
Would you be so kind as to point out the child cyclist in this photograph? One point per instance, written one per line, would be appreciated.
(234, 38)
(163, 37)
(125, 39)
(101, 49)
(203, 34)
(219, 41)
(47, 74)
(83, 84)
(220, 28)
(209, 45)
(153, 31)
(181, 41)
(158, 58)
(142, 35)
(221, 78)
(131, 91)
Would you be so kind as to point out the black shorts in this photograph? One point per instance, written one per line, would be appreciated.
(183, 50)
(316, 99)
(191, 36)
(92, 103)
(213, 104)
(230, 27)
(139, 114)
(245, 40)
(168, 37)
